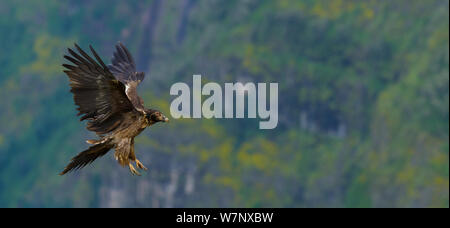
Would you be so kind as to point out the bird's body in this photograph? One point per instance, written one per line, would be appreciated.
(107, 98)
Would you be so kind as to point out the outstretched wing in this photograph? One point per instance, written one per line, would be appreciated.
(124, 69)
(100, 97)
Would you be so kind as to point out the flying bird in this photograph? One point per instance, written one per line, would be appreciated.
(107, 98)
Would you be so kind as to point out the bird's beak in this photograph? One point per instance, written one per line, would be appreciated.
(166, 119)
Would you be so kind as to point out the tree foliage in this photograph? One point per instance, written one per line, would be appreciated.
(364, 103)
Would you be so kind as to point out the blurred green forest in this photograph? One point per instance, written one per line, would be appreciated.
(363, 103)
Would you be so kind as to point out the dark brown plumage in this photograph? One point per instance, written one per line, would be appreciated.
(107, 98)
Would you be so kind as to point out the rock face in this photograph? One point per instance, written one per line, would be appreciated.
(363, 103)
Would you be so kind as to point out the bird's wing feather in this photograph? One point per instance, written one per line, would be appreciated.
(124, 69)
(100, 97)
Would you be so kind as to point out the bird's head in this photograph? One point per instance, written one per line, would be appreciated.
(154, 116)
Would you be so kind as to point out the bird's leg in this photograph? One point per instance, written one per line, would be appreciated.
(132, 157)
(140, 165)
(133, 170)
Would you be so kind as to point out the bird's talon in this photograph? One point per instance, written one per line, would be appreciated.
(140, 165)
(133, 170)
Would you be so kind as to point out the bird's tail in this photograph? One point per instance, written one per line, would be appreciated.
(88, 156)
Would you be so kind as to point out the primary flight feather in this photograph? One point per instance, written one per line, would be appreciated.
(107, 98)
